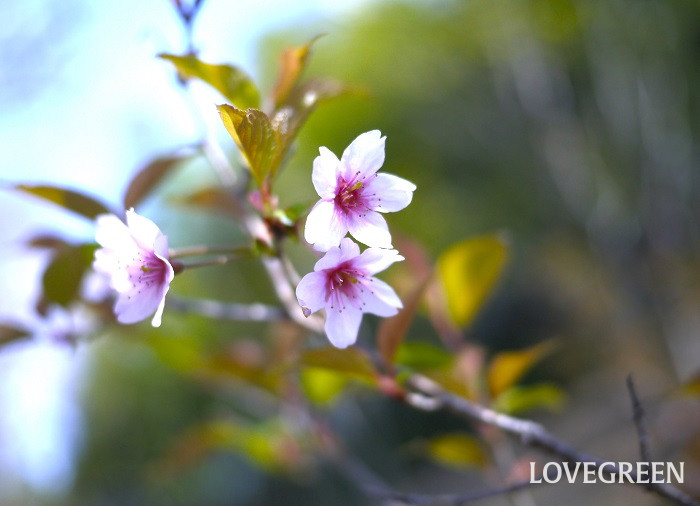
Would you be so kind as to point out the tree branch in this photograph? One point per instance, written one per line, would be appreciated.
(427, 395)
(228, 311)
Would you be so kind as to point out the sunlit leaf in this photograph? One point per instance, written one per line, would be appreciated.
(68, 199)
(213, 199)
(351, 361)
(230, 81)
(322, 386)
(422, 356)
(391, 331)
(257, 140)
(63, 276)
(10, 333)
(469, 271)
(292, 64)
(507, 367)
(457, 449)
(184, 354)
(522, 398)
(148, 177)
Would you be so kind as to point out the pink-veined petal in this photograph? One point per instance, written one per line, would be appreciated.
(311, 291)
(325, 173)
(364, 155)
(370, 229)
(132, 306)
(143, 230)
(342, 325)
(390, 193)
(380, 299)
(374, 260)
(324, 228)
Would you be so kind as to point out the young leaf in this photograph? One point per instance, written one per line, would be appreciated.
(257, 140)
(522, 398)
(351, 361)
(79, 203)
(292, 64)
(148, 177)
(469, 271)
(392, 331)
(231, 82)
(10, 333)
(322, 386)
(63, 275)
(458, 450)
(422, 356)
(508, 367)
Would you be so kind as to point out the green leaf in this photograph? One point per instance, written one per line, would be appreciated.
(231, 82)
(457, 450)
(68, 199)
(422, 356)
(391, 331)
(292, 64)
(62, 277)
(507, 367)
(523, 398)
(148, 177)
(257, 140)
(469, 271)
(350, 361)
(322, 386)
(10, 333)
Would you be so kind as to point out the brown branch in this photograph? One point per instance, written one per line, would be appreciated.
(638, 417)
(427, 395)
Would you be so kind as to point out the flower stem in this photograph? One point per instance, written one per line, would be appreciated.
(208, 250)
(218, 260)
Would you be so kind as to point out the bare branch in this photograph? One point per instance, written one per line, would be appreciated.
(529, 433)
(228, 311)
(638, 417)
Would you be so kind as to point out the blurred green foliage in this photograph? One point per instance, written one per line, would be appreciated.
(569, 123)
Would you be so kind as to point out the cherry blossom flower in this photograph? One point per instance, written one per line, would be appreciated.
(343, 284)
(353, 195)
(135, 258)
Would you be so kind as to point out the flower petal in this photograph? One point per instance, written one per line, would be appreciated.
(143, 230)
(390, 193)
(311, 291)
(370, 229)
(324, 227)
(157, 317)
(342, 325)
(325, 173)
(380, 299)
(374, 260)
(364, 156)
(132, 307)
(112, 233)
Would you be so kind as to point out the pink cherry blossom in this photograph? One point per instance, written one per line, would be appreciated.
(135, 258)
(343, 284)
(353, 195)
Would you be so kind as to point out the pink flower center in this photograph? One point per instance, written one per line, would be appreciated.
(350, 195)
(148, 270)
(345, 285)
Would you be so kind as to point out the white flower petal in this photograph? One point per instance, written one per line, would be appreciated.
(143, 230)
(342, 325)
(158, 316)
(364, 155)
(311, 291)
(112, 233)
(380, 298)
(370, 229)
(324, 227)
(375, 260)
(325, 173)
(391, 193)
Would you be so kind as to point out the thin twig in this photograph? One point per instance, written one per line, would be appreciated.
(228, 311)
(427, 395)
(638, 417)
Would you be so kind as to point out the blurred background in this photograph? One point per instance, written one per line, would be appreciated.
(569, 125)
